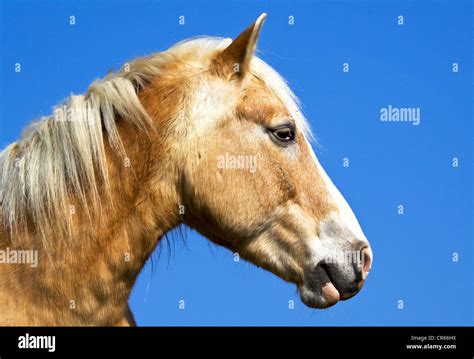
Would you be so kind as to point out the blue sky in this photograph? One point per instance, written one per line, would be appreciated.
(391, 163)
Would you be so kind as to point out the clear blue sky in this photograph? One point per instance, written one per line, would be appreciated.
(390, 163)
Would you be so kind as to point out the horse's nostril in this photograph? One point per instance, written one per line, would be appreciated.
(366, 256)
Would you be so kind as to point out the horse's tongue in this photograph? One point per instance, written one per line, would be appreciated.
(330, 293)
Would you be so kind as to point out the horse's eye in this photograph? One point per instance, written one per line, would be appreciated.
(284, 134)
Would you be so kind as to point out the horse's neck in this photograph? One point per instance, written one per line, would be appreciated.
(88, 278)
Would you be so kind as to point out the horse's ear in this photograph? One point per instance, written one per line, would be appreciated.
(235, 59)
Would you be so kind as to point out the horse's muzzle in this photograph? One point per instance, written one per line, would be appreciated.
(327, 283)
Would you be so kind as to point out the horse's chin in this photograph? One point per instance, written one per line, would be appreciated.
(320, 298)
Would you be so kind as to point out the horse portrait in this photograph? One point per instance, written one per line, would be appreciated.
(204, 134)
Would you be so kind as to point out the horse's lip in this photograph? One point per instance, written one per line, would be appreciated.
(350, 295)
(329, 291)
(323, 296)
(330, 294)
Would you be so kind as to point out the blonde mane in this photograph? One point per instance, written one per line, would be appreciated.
(63, 155)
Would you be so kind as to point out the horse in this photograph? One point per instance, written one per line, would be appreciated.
(204, 134)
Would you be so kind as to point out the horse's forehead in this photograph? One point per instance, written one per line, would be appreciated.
(257, 103)
(215, 100)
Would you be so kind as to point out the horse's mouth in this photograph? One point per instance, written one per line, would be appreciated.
(319, 290)
(326, 297)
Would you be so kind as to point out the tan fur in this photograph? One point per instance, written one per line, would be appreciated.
(197, 114)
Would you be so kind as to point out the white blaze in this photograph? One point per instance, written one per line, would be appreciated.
(345, 214)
